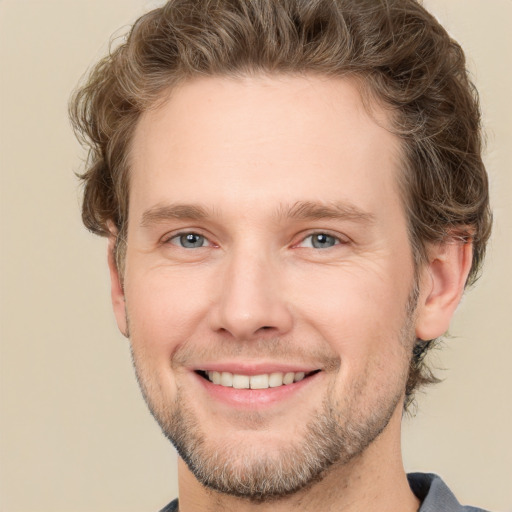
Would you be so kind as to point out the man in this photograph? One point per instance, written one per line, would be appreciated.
(294, 198)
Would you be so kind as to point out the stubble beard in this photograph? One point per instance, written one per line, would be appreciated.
(334, 435)
(328, 441)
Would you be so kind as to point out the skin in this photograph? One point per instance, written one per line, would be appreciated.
(258, 295)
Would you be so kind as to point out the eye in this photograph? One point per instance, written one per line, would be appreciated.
(189, 240)
(320, 241)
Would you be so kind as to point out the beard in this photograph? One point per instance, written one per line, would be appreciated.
(336, 433)
(328, 440)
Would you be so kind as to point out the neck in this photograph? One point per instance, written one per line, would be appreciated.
(374, 481)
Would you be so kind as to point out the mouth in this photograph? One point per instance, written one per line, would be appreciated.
(261, 381)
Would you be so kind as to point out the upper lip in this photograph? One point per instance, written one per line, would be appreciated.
(254, 368)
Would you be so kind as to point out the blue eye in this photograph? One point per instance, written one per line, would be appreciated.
(320, 241)
(189, 240)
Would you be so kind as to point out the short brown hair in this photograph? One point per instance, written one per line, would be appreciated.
(398, 52)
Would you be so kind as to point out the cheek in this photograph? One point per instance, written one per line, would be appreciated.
(164, 310)
(362, 318)
(360, 312)
(163, 314)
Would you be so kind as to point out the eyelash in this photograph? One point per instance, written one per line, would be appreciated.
(177, 236)
(337, 239)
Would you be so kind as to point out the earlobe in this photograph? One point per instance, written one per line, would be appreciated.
(442, 285)
(116, 286)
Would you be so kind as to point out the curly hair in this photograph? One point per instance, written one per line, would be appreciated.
(399, 54)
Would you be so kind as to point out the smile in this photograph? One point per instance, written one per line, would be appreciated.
(262, 381)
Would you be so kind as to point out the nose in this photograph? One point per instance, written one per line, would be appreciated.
(251, 302)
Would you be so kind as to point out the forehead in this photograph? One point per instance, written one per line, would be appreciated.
(280, 137)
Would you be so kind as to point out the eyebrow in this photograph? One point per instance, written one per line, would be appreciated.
(164, 213)
(310, 210)
(301, 210)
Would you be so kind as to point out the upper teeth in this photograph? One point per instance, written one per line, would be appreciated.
(264, 381)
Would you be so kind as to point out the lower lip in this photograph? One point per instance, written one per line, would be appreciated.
(254, 398)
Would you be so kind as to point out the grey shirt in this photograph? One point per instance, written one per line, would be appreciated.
(435, 495)
(430, 490)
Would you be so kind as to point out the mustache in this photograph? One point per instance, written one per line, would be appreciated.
(276, 349)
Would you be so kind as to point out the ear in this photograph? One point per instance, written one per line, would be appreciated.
(442, 285)
(116, 284)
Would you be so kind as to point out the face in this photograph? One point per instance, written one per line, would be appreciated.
(268, 279)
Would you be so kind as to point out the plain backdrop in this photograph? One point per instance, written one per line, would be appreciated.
(75, 433)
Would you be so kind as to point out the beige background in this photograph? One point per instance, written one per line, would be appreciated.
(75, 434)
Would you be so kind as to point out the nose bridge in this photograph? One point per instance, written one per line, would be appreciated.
(251, 300)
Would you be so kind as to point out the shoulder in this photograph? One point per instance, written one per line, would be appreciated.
(435, 494)
(171, 507)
